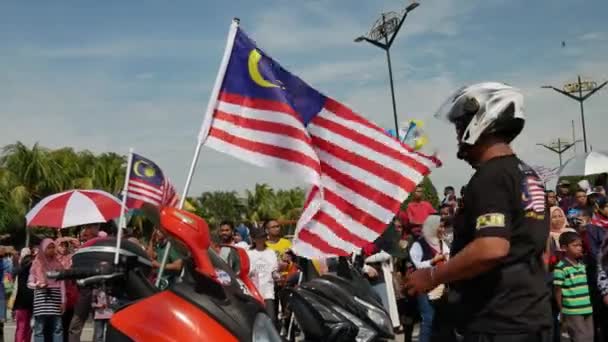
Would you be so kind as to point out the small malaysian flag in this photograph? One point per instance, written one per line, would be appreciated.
(534, 194)
(148, 184)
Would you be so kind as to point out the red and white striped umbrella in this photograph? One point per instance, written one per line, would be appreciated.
(73, 208)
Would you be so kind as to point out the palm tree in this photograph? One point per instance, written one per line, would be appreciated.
(108, 172)
(217, 206)
(33, 170)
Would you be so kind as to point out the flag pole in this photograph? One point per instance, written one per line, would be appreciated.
(123, 207)
(204, 129)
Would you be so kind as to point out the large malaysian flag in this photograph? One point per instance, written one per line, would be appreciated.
(266, 116)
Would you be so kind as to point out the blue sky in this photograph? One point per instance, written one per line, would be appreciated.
(110, 75)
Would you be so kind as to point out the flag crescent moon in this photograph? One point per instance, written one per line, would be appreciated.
(136, 167)
(254, 72)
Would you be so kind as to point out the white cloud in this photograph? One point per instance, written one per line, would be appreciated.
(594, 36)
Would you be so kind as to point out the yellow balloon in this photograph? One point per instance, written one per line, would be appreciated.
(254, 71)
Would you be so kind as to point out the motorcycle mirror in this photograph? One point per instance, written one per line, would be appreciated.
(193, 232)
(243, 271)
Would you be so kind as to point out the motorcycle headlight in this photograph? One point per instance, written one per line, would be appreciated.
(379, 317)
(264, 330)
(365, 332)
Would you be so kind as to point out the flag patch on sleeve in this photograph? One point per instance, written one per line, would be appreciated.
(490, 220)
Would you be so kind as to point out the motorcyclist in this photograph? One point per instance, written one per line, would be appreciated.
(496, 268)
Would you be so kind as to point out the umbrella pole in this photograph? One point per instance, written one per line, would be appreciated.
(27, 237)
(123, 207)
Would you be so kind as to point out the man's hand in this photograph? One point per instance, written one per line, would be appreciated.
(371, 272)
(606, 300)
(437, 258)
(155, 264)
(419, 281)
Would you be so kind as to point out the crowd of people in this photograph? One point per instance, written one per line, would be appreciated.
(420, 237)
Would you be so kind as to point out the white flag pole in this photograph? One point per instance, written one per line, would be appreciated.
(123, 207)
(211, 105)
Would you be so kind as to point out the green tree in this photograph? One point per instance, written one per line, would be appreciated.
(216, 206)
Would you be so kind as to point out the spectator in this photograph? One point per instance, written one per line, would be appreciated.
(276, 241)
(448, 195)
(564, 198)
(447, 222)
(49, 294)
(102, 304)
(226, 234)
(4, 269)
(598, 227)
(156, 251)
(417, 211)
(66, 247)
(595, 233)
(571, 290)
(602, 180)
(602, 282)
(241, 236)
(264, 269)
(24, 298)
(580, 200)
(427, 252)
(551, 198)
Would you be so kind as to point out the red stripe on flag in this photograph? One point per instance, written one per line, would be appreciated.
(354, 212)
(370, 143)
(364, 163)
(360, 187)
(319, 243)
(264, 126)
(311, 195)
(339, 230)
(257, 103)
(266, 149)
(347, 114)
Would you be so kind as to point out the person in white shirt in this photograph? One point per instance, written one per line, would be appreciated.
(428, 251)
(264, 269)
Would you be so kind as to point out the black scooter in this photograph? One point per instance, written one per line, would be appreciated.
(340, 308)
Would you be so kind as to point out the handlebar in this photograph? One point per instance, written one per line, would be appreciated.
(81, 272)
(98, 278)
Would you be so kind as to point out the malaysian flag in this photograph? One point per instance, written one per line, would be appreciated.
(148, 184)
(534, 194)
(262, 114)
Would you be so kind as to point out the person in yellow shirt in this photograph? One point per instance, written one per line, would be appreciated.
(275, 240)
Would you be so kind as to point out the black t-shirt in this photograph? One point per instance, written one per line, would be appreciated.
(505, 198)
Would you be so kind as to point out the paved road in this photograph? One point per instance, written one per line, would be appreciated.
(9, 332)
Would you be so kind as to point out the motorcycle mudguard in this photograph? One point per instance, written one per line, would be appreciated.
(166, 317)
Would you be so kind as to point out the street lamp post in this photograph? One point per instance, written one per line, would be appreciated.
(383, 35)
(559, 147)
(590, 87)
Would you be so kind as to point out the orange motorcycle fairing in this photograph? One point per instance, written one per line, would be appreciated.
(166, 317)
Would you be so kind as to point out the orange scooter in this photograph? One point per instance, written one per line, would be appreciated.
(210, 302)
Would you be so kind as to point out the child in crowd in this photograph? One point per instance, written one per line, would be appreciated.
(572, 291)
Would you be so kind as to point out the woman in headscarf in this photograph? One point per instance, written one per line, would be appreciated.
(559, 225)
(24, 298)
(49, 294)
(429, 250)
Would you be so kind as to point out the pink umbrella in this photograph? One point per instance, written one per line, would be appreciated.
(73, 208)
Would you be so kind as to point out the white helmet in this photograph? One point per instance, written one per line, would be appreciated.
(484, 109)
